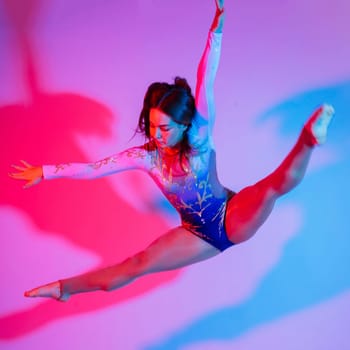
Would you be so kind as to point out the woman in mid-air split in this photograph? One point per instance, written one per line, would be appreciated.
(179, 155)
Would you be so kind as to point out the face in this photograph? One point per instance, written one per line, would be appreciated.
(163, 130)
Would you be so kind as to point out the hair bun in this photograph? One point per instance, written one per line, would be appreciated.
(182, 83)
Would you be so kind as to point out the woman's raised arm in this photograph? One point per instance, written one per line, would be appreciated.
(207, 68)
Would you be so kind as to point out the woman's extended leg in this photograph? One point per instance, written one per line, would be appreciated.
(175, 249)
(249, 208)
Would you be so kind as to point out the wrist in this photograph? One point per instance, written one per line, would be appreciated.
(219, 20)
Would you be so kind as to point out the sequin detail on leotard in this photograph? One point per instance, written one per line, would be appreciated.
(200, 200)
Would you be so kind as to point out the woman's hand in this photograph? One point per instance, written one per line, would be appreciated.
(219, 18)
(219, 5)
(32, 174)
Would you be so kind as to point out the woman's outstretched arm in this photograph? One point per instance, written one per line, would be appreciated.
(132, 158)
(207, 69)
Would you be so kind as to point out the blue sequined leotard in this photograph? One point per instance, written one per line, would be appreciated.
(200, 200)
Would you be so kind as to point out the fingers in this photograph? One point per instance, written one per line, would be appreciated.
(21, 176)
(27, 185)
(219, 17)
(30, 184)
(32, 174)
(17, 167)
(219, 4)
(17, 176)
(26, 164)
(21, 170)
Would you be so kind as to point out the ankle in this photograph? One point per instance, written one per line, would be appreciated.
(62, 296)
(308, 138)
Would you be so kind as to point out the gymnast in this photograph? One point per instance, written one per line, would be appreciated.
(179, 155)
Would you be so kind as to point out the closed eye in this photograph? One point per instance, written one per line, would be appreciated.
(162, 127)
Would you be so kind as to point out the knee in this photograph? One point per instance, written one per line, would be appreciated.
(260, 195)
(138, 265)
(283, 182)
(125, 272)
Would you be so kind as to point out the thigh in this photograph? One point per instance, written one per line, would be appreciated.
(177, 248)
(248, 210)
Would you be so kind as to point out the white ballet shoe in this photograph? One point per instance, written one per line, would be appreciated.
(317, 126)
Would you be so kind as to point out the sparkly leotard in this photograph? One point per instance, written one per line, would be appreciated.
(198, 197)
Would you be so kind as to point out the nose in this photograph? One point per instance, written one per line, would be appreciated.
(157, 133)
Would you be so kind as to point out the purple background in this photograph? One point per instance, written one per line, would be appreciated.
(72, 79)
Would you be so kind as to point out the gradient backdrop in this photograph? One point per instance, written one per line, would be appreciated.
(72, 79)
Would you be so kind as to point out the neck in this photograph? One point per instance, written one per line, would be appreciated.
(169, 151)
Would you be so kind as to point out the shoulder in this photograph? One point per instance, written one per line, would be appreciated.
(138, 156)
(139, 152)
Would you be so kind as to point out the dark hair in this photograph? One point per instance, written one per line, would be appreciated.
(175, 100)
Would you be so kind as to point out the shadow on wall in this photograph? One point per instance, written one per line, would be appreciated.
(314, 265)
(87, 213)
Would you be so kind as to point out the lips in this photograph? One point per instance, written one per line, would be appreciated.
(159, 143)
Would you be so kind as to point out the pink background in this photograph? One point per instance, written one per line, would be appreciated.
(72, 79)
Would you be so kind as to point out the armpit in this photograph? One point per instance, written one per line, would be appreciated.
(199, 134)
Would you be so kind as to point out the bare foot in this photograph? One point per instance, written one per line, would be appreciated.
(317, 125)
(50, 290)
